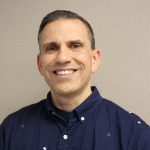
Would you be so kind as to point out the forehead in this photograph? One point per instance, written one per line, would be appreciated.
(71, 28)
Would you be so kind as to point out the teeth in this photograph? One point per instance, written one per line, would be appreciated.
(64, 72)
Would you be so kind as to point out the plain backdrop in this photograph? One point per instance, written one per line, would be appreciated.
(122, 32)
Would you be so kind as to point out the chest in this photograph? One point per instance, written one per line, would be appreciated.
(88, 134)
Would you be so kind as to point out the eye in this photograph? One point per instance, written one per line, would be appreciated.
(75, 45)
(51, 48)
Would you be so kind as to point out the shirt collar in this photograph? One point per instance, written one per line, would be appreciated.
(84, 108)
(89, 104)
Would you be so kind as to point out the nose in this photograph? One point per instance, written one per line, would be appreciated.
(63, 56)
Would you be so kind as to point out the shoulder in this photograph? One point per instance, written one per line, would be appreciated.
(120, 113)
(26, 113)
(28, 116)
(122, 116)
(130, 127)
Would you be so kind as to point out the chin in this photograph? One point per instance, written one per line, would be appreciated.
(65, 91)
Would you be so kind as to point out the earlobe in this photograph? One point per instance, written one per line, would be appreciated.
(96, 60)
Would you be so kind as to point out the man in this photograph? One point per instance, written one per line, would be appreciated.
(73, 116)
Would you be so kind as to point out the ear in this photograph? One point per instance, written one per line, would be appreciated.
(96, 60)
(39, 63)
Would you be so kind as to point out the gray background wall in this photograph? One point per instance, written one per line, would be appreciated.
(122, 31)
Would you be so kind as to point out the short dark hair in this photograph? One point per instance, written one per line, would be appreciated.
(58, 14)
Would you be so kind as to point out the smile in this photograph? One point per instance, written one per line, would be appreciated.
(64, 72)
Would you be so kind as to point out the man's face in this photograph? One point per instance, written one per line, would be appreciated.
(66, 59)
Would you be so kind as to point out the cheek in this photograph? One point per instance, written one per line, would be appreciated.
(43, 64)
(85, 57)
(87, 60)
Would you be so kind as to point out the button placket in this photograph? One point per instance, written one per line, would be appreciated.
(65, 136)
(82, 119)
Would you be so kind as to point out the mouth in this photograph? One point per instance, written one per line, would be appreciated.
(65, 72)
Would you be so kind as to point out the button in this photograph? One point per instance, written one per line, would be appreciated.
(44, 148)
(82, 118)
(65, 137)
(139, 122)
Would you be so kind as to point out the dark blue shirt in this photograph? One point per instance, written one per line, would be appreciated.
(97, 124)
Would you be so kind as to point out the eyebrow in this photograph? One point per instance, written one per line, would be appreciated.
(49, 43)
(75, 41)
(58, 43)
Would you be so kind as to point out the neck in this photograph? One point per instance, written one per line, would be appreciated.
(69, 102)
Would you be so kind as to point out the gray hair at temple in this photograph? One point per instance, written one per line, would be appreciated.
(57, 14)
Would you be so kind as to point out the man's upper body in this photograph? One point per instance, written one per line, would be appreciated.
(96, 124)
(74, 116)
